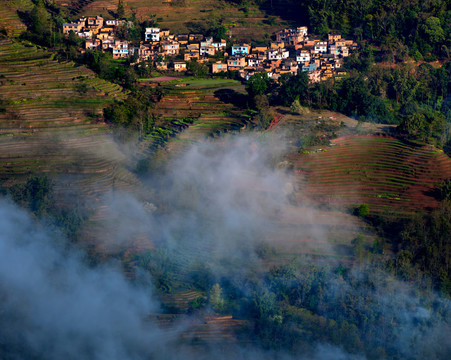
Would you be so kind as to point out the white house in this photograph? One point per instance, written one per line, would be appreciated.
(221, 45)
(152, 34)
(253, 61)
(302, 56)
(179, 66)
(278, 54)
(110, 22)
(320, 47)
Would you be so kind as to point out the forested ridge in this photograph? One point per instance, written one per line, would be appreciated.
(392, 76)
(420, 28)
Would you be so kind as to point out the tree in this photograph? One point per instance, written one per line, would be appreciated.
(363, 210)
(355, 95)
(260, 102)
(433, 30)
(445, 190)
(297, 108)
(39, 19)
(264, 118)
(257, 84)
(294, 87)
(219, 32)
(413, 125)
(197, 69)
(120, 12)
(35, 194)
(216, 300)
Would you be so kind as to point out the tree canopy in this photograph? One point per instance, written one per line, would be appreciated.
(257, 84)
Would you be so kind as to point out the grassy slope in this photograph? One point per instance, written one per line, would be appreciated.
(176, 17)
(49, 120)
(197, 99)
(9, 19)
(389, 175)
(53, 124)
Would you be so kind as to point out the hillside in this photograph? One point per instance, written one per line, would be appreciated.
(193, 244)
(391, 176)
(207, 102)
(9, 16)
(184, 16)
(52, 121)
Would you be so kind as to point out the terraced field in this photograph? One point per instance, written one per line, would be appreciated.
(223, 330)
(180, 301)
(9, 18)
(218, 331)
(200, 101)
(183, 16)
(51, 122)
(319, 234)
(386, 173)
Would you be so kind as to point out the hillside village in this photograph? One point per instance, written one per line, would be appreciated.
(292, 50)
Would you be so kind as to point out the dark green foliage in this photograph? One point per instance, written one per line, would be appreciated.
(39, 25)
(385, 32)
(265, 250)
(259, 102)
(425, 243)
(132, 30)
(358, 246)
(381, 95)
(109, 69)
(73, 40)
(263, 118)
(197, 69)
(424, 125)
(423, 25)
(363, 210)
(160, 264)
(35, 194)
(294, 87)
(445, 190)
(2, 105)
(197, 304)
(120, 11)
(39, 19)
(69, 221)
(219, 32)
(202, 277)
(257, 84)
(135, 112)
(355, 96)
(302, 305)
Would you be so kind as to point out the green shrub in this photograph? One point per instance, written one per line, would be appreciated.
(363, 210)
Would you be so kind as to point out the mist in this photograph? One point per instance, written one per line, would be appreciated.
(55, 306)
(208, 208)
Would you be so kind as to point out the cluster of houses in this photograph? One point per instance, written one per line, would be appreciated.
(292, 51)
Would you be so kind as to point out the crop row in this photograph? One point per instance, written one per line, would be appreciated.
(376, 170)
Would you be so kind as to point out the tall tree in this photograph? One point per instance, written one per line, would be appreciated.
(39, 18)
(294, 87)
(120, 12)
(257, 84)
